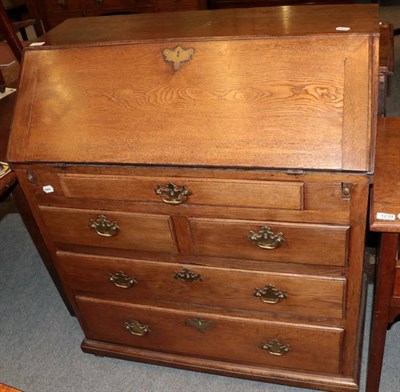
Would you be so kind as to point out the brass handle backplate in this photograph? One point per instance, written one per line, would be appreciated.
(120, 279)
(104, 227)
(188, 276)
(270, 295)
(266, 238)
(137, 329)
(172, 194)
(200, 324)
(275, 347)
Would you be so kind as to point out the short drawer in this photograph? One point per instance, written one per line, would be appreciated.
(232, 339)
(270, 241)
(177, 190)
(138, 280)
(143, 232)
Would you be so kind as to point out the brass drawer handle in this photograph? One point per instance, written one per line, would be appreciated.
(120, 279)
(98, 3)
(270, 295)
(275, 347)
(266, 238)
(137, 329)
(188, 276)
(104, 227)
(200, 324)
(172, 194)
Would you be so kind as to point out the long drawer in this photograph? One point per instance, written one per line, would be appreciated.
(231, 339)
(287, 195)
(139, 280)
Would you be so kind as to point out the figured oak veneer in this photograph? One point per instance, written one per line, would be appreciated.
(169, 333)
(308, 296)
(317, 119)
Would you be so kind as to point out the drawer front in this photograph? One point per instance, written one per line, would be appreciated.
(238, 289)
(178, 190)
(143, 232)
(270, 241)
(230, 339)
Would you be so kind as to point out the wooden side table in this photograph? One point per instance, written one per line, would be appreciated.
(385, 218)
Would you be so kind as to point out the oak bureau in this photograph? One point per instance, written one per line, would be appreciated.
(201, 181)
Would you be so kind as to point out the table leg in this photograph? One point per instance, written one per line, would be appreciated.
(380, 315)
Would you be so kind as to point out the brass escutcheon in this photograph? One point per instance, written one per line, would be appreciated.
(172, 194)
(187, 276)
(275, 347)
(103, 226)
(178, 56)
(270, 295)
(200, 324)
(266, 238)
(137, 329)
(120, 279)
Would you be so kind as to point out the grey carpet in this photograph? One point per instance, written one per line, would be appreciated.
(40, 342)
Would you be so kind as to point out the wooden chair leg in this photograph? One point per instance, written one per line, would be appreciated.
(380, 315)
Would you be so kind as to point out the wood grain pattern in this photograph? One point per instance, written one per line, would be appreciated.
(306, 244)
(312, 296)
(170, 334)
(228, 193)
(137, 231)
(267, 117)
(255, 22)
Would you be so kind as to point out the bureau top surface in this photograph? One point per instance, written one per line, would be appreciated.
(252, 22)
